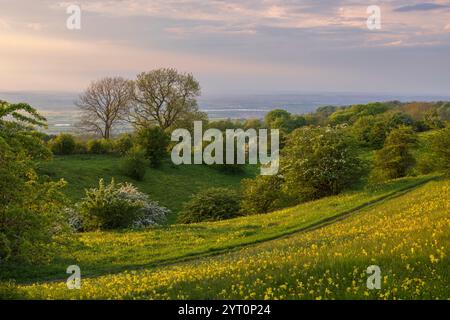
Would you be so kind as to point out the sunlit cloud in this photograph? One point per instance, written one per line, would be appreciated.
(306, 44)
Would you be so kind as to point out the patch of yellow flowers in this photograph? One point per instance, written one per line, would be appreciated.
(407, 237)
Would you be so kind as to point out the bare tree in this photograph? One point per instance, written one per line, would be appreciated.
(164, 97)
(104, 104)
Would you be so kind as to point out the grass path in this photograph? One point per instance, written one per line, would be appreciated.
(406, 235)
(113, 252)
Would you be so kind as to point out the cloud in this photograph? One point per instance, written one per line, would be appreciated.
(71, 65)
(4, 25)
(422, 7)
(243, 43)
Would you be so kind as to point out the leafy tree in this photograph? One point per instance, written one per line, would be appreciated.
(253, 124)
(397, 119)
(155, 141)
(17, 127)
(370, 131)
(440, 144)
(278, 119)
(104, 104)
(211, 205)
(350, 114)
(317, 162)
(63, 144)
(32, 216)
(123, 143)
(394, 160)
(164, 97)
(99, 146)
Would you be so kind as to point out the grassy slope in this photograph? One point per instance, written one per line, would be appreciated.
(171, 186)
(406, 236)
(108, 252)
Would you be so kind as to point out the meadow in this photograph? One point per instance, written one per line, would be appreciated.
(407, 236)
(170, 185)
(103, 252)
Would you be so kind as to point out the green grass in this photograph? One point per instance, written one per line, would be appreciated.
(109, 252)
(170, 185)
(407, 237)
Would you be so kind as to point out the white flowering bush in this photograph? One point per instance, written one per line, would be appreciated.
(118, 206)
(150, 214)
(74, 219)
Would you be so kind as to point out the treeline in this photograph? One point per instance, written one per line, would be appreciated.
(333, 149)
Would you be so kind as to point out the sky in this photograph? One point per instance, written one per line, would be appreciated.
(233, 46)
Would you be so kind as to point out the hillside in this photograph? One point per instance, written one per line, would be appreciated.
(404, 235)
(170, 185)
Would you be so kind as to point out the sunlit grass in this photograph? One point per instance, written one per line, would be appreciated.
(408, 237)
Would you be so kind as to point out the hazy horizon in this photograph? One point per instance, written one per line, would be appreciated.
(62, 114)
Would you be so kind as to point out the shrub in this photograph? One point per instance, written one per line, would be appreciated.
(370, 131)
(63, 144)
(31, 210)
(261, 195)
(440, 145)
(99, 146)
(319, 162)
(211, 205)
(80, 148)
(155, 142)
(118, 206)
(394, 160)
(123, 144)
(134, 165)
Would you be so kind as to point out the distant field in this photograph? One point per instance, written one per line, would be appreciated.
(170, 185)
(406, 236)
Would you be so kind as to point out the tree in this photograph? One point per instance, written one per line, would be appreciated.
(17, 127)
(440, 144)
(394, 159)
(278, 119)
(104, 104)
(370, 131)
(318, 162)
(63, 144)
(164, 97)
(154, 141)
(31, 210)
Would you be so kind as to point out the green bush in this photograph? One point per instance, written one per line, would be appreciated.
(63, 144)
(32, 219)
(440, 145)
(80, 147)
(35, 228)
(123, 144)
(211, 205)
(370, 131)
(262, 195)
(134, 165)
(318, 162)
(118, 206)
(99, 146)
(155, 142)
(395, 160)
